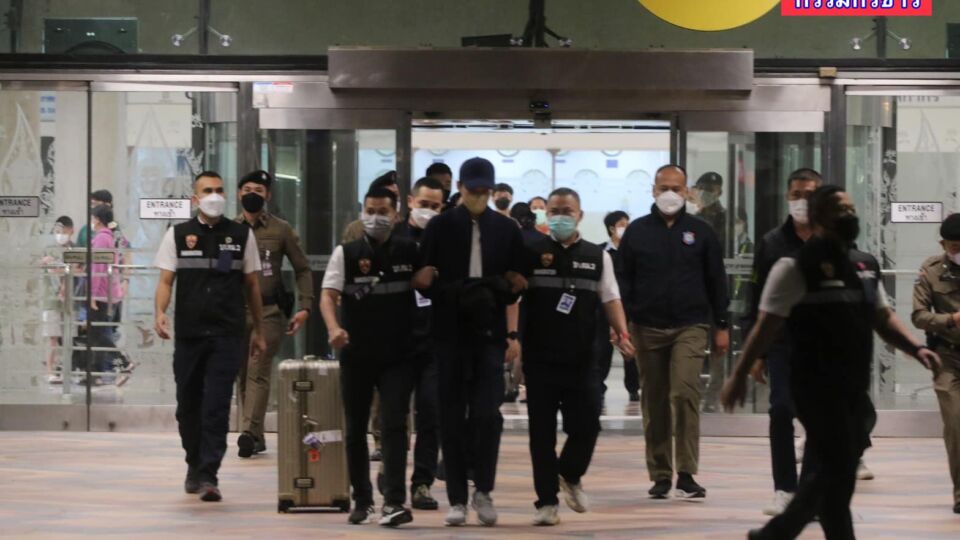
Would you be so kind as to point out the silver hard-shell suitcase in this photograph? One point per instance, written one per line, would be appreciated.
(312, 474)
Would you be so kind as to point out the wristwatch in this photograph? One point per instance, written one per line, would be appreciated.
(513, 335)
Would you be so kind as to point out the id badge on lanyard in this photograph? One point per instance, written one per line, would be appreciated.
(565, 305)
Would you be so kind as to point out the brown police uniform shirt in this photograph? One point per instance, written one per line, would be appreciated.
(276, 238)
(936, 297)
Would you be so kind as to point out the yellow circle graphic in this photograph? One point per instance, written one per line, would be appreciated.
(709, 15)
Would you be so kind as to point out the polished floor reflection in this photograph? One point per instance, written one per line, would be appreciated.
(126, 485)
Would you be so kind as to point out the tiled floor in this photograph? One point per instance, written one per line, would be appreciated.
(119, 485)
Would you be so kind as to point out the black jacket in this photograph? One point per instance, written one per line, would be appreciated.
(671, 277)
(776, 244)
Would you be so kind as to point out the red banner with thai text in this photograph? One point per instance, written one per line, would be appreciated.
(856, 8)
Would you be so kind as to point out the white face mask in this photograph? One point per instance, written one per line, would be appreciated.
(670, 202)
(798, 211)
(213, 205)
(708, 198)
(61, 239)
(692, 208)
(422, 216)
(955, 258)
(376, 226)
(620, 231)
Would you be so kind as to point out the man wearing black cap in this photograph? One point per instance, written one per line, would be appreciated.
(276, 239)
(474, 259)
(830, 297)
(936, 311)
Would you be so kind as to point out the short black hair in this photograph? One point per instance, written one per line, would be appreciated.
(804, 174)
(503, 187)
(670, 166)
(381, 193)
(454, 199)
(102, 195)
(439, 168)
(103, 213)
(530, 202)
(612, 218)
(388, 178)
(426, 182)
(208, 174)
(564, 192)
(821, 199)
(65, 221)
(524, 216)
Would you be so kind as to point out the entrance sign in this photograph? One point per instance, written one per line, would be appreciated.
(164, 208)
(709, 15)
(916, 212)
(14, 207)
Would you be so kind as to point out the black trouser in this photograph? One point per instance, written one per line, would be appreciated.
(359, 375)
(204, 370)
(783, 455)
(577, 397)
(837, 424)
(102, 336)
(426, 449)
(471, 392)
(603, 352)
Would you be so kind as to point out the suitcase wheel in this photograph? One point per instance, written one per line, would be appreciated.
(284, 505)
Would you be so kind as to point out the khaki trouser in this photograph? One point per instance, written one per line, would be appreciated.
(670, 362)
(254, 379)
(946, 383)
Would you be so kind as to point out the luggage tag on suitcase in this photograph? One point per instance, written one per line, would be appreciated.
(566, 303)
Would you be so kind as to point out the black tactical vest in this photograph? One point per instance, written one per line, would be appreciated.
(378, 302)
(831, 329)
(561, 302)
(210, 289)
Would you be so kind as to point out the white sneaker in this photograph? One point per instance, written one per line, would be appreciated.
(457, 516)
(863, 473)
(483, 504)
(780, 501)
(546, 516)
(574, 496)
(799, 446)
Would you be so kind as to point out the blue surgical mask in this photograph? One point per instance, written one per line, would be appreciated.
(562, 227)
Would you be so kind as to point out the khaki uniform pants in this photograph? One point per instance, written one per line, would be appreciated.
(946, 383)
(670, 362)
(254, 379)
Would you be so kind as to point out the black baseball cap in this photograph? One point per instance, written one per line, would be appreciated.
(477, 173)
(257, 177)
(950, 228)
(709, 179)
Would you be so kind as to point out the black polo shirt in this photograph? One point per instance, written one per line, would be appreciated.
(446, 245)
(672, 277)
(776, 244)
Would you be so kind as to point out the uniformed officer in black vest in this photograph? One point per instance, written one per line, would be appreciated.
(830, 297)
(370, 278)
(215, 263)
(569, 278)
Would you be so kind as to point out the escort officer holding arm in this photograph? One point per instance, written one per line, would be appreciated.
(475, 258)
(425, 202)
(830, 298)
(276, 239)
(370, 279)
(674, 286)
(936, 311)
(215, 263)
(568, 279)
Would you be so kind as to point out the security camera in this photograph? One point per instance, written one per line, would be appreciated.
(540, 108)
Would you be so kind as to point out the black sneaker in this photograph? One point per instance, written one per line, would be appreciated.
(191, 484)
(361, 515)
(956, 508)
(209, 492)
(660, 489)
(395, 515)
(260, 446)
(634, 397)
(755, 534)
(421, 499)
(688, 488)
(246, 443)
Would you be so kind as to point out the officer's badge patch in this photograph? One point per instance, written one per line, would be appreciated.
(364, 265)
(191, 241)
(827, 269)
(689, 238)
(546, 259)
